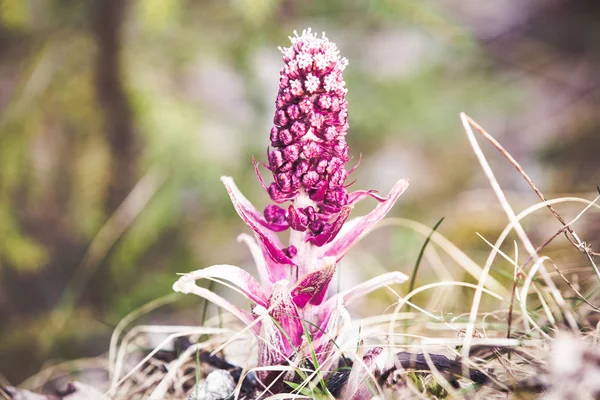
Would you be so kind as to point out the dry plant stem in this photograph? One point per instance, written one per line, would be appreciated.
(590, 205)
(241, 333)
(119, 358)
(368, 374)
(454, 252)
(568, 227)
(161, 390)
(577, 243)
(522, 215)
(283, 370)
(418, 290)
(37, 381)
(513, 293)
(520, 233)
(195, 331)
(539, 264)
(518, 270)
(573, 288)
(132, 316)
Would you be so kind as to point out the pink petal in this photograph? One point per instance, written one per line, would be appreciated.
(362, 289)
(258, 175)
(295, 220)
(259, 260)
(329, 330)
(274, 227)
(281, 199)
(359, 195)
(269, 241)
(312, 287)
(235, 275)
(332, 230)
(357, 164)
(342, 244)
(284, 311)
(186, 284)
(272, 349)
(239, 200)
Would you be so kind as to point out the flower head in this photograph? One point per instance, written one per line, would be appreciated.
(309, 149)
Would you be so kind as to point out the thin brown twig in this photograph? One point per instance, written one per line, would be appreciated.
(547, 242)
(512, 305)
(596, 308)
(512, 295)
(567, 229)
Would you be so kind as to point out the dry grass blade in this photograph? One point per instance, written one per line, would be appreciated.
(577, 243)
(405, 299)
(454, 252)
(129, 318)
(522, 237)
(37, 381)
(525, 289)
(161, 389)
(527, 319)
(171, 337)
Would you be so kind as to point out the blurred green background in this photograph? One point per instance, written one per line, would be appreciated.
(117, 119)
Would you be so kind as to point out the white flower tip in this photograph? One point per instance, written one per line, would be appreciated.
(260, 310)
(399, 277)
(242, 237)
(184, 285)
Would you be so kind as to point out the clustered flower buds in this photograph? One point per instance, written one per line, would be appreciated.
(308, 137)
(307, 160)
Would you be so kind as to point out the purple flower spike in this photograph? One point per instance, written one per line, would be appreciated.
(307, 159)
(309, 149)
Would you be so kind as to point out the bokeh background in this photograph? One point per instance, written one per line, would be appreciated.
(117, 119)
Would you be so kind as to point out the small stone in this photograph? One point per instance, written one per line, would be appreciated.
(218, 385)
